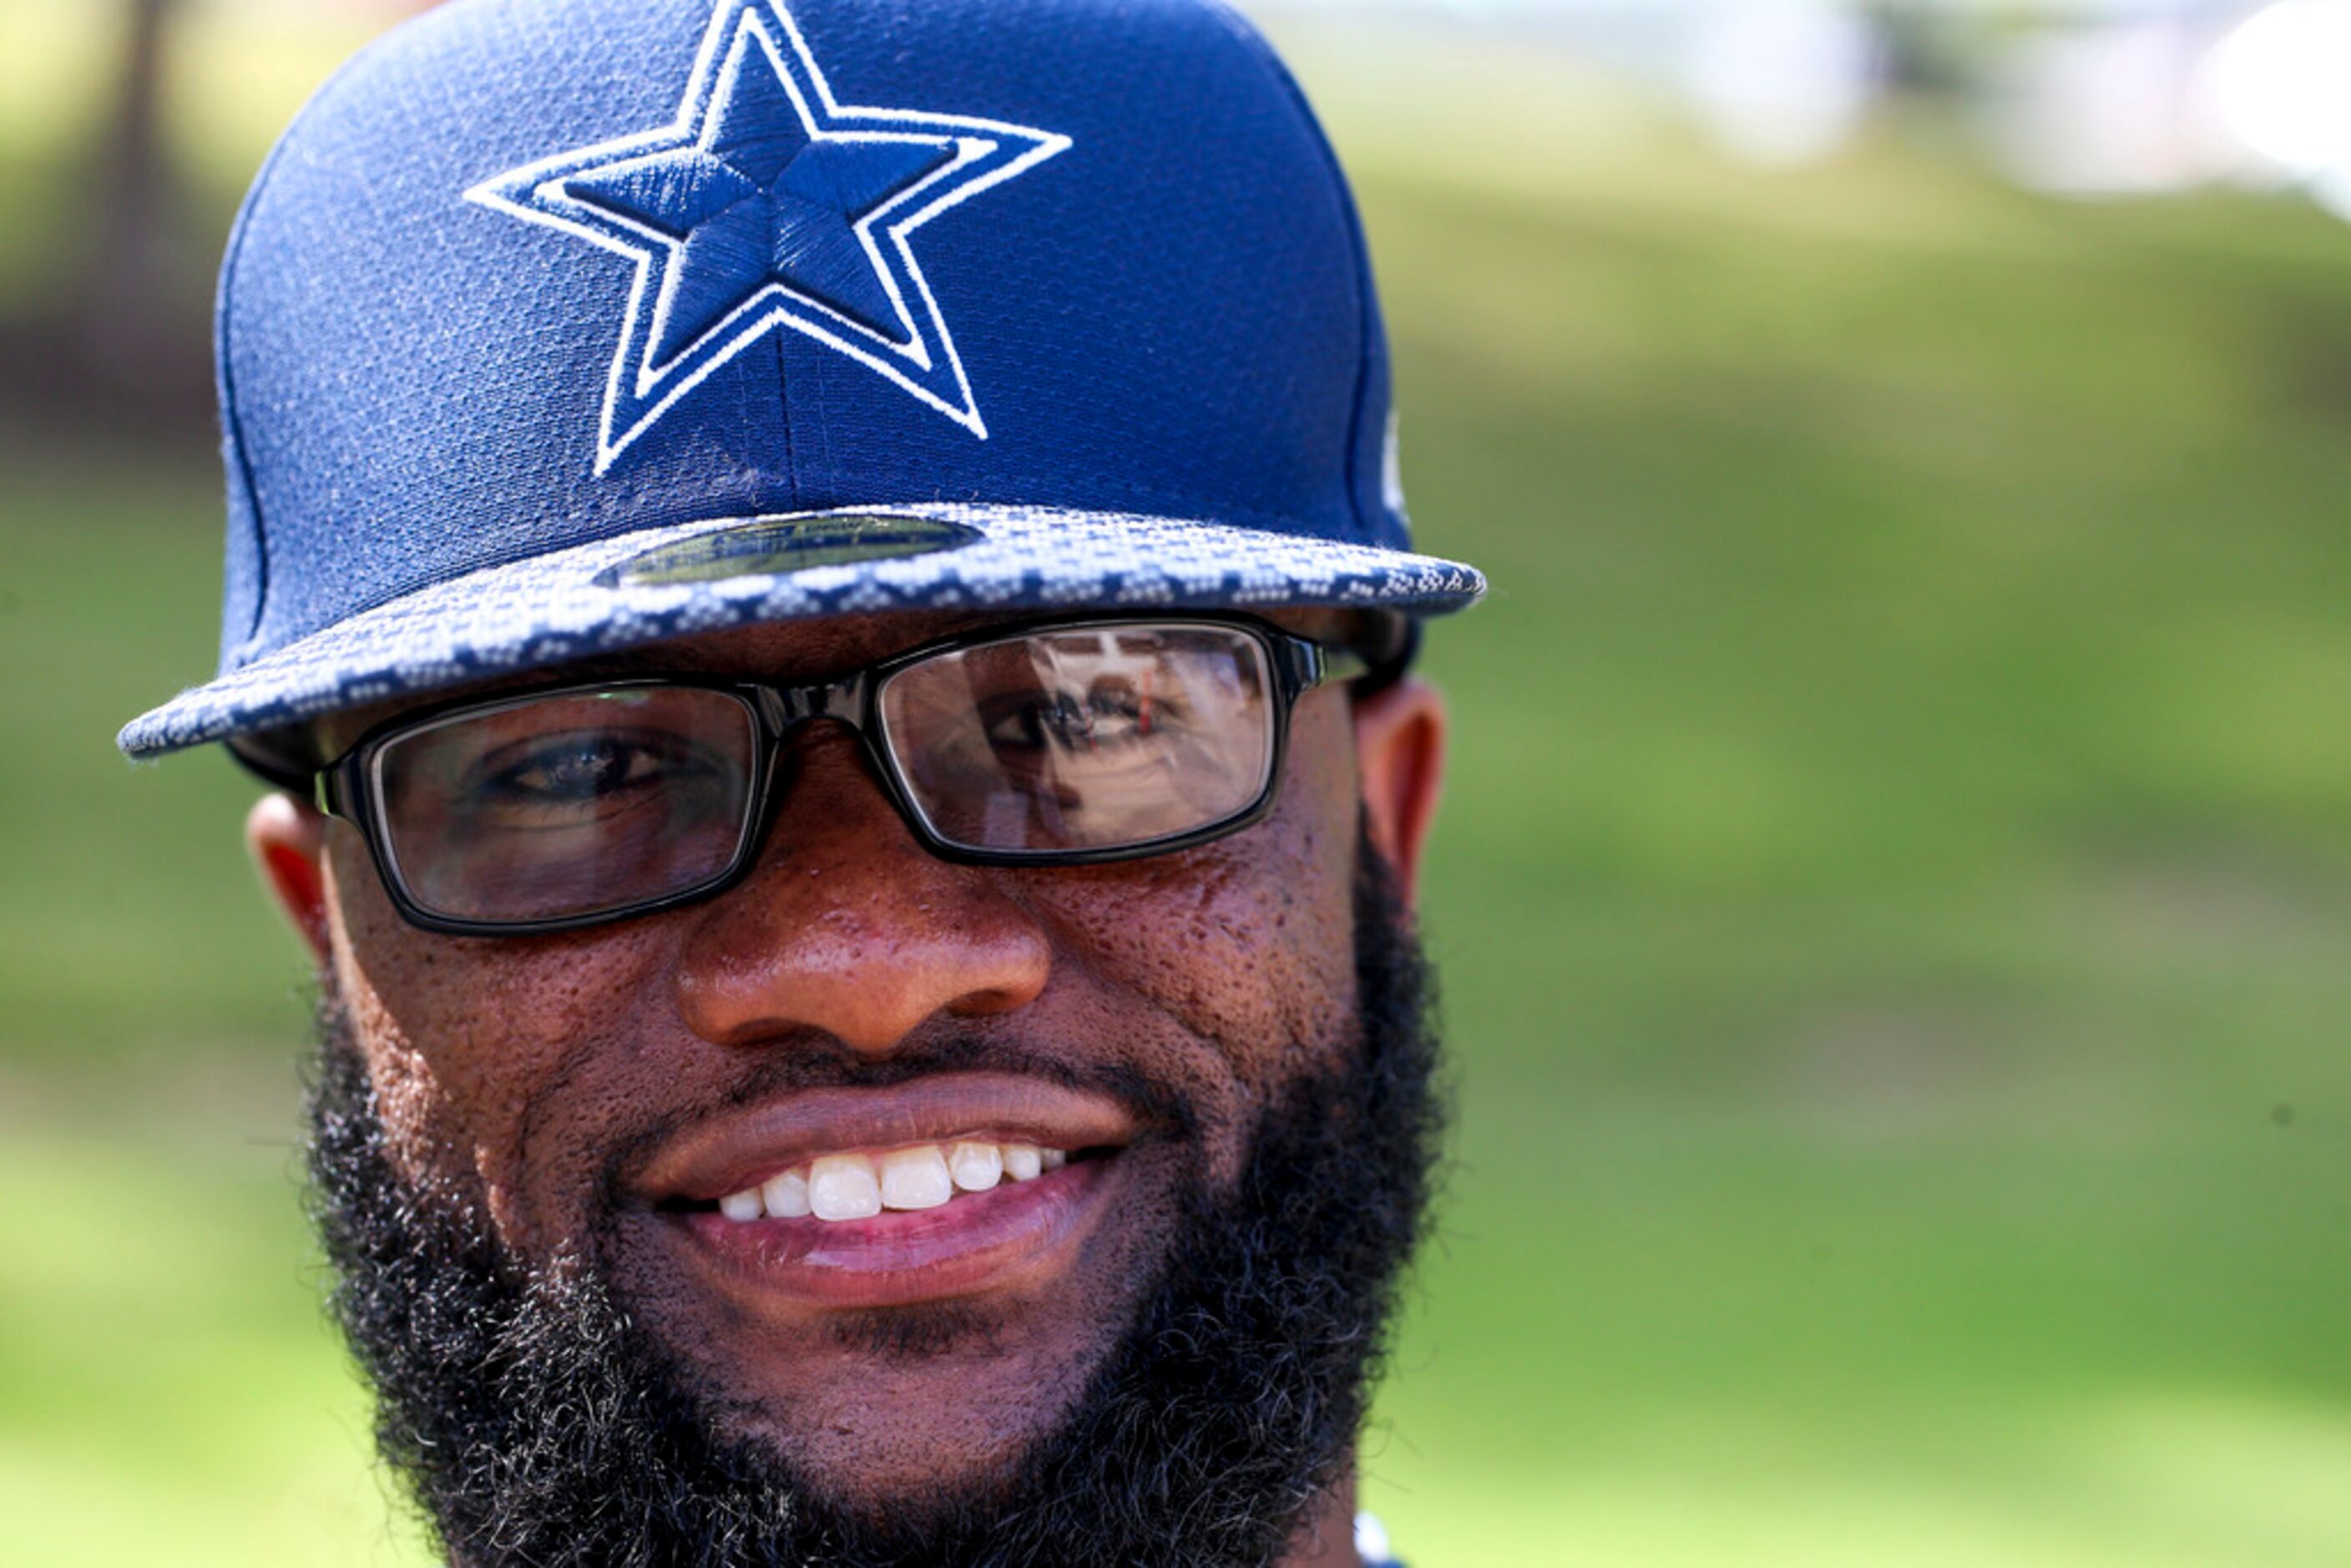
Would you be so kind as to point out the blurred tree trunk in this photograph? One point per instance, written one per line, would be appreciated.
(131, 159)
(136, 312)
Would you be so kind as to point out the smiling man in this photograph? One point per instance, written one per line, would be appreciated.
(826, 588)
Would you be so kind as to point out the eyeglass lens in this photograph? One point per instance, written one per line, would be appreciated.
(1093, 738)
(1074, 739)
(552, 808)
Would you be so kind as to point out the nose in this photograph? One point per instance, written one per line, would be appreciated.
(849, 927)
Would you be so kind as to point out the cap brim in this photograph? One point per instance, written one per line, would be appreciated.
(586, 599)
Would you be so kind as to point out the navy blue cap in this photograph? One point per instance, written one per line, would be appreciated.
(553, 327)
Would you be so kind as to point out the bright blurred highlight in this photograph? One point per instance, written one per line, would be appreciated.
(2281, 84)
(1783, 81)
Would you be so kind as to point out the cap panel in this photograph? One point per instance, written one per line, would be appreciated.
(245, 557)
(1162, 318)
(417, 382)
(1373, 484)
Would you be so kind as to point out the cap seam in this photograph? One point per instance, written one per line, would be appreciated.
(232, 420)
(784, 419)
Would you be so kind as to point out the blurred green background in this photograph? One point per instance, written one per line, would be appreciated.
(1893, 903)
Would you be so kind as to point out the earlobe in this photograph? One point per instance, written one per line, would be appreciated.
(287, 841)
(1400, 765)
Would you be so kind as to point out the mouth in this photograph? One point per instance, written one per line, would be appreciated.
(864, 1198)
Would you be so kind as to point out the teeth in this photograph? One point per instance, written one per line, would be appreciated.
(787, 1196)
(860, 1186)
(976, 1166)
(843, 1186)
(915, 1178)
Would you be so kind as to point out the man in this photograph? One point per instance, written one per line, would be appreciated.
(824, 582)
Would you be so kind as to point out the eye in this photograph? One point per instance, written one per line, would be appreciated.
(586, 774)
(1037, 720)
(579, 768)
(1109, 713)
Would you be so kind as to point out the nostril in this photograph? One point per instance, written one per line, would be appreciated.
(994, 1000)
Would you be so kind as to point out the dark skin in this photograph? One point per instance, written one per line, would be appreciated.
(538, 1077)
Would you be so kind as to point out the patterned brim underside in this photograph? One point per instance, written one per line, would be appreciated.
(583, 601)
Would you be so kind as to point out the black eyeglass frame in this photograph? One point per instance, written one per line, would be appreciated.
(343, 786)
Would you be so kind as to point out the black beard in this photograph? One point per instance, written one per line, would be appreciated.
(537, 1423)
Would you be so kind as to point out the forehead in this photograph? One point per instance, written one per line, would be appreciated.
(785, 651)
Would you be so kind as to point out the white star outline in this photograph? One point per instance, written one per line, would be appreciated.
(986, 153)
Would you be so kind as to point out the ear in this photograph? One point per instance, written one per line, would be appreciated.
(287, 841)
(1400, 765)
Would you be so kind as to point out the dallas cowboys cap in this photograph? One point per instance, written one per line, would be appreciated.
(553, 327)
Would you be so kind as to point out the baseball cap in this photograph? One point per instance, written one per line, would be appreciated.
(556, 327)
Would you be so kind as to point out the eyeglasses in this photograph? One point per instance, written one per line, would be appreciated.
(1065, 743)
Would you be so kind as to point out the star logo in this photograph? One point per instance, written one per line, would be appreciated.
(767, 204)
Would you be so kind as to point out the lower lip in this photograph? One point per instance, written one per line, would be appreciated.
(972, 1243)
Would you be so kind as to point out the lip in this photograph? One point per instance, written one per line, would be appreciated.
(1012, 1234)
(728, 1152)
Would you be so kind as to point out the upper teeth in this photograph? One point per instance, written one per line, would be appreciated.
(860, 1186)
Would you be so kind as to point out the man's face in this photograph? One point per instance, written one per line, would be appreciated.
(592, 1096)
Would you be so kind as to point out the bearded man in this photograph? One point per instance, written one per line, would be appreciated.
(824, 587)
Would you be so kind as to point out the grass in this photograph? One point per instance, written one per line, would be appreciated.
(1892, 909)
(168, 1390)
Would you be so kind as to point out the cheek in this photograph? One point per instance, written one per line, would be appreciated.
(1247, 942)
(470, 1044)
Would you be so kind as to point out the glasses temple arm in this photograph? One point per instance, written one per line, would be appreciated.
(321, 787)
(1371, 664)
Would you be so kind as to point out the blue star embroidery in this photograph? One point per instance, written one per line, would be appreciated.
(768, 205)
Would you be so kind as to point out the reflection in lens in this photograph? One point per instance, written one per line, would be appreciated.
(549, 808)
(1097, 738)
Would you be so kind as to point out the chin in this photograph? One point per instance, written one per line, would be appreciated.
(888, 1405)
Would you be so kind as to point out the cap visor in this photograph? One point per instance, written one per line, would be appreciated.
(690, 578)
